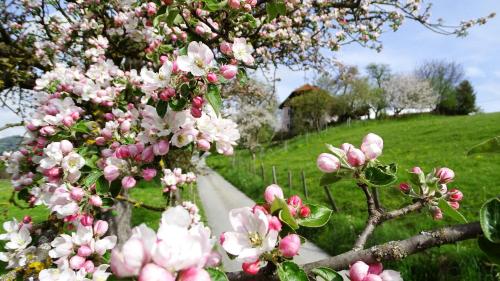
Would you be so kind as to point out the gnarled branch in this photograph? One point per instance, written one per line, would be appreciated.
(11, 125)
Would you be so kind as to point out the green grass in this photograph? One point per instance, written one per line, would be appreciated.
(426, 141)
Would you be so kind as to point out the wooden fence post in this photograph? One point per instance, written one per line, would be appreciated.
(290, 181)
(304, 184)
(330, 198)
(275, 179)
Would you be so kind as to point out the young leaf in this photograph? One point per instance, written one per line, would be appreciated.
(290, 271)
(214, 98)
(449, 211)
(319, 216)
(279, 206)
(489, 216)
(327, 274)
(489, 146)
(177, 104)
(161, 108)
(381, 175)
(216, 274)
(92, 178)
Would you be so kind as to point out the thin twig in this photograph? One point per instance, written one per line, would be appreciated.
(139, 204)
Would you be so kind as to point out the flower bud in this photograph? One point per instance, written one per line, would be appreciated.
(358, 271)
(161, 148)
(47, 131)
(437, 214)
(445, 175)
(95, 201)
(197, 102)
(76, 262)
(416, 170)
(212, 78)
(111, 172)
(27, 219)
(346, 146)
(251, 268)
(294, 201)
(305, 211)
(148, 155)
(86, 220)
(355, 157)
(289, 246)
(122, 152)
(456, 195)
(226, 48)
(66, 146)
(229, 71)
(328, 163)
(455, 205)
(84, 251)
(153, 272)
(271, 192)
(194, 274)
(89, 266)
(372, 138)
(274, 223)
(76, 194)
(100, 141)
(404, 187)
(203, 145)
(148, 174)
(196, 112)
(100, 228)
(235, 4)
(371, 150)
(128, 182)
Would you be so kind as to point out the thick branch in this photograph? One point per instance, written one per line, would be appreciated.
(11, 125)
(394, 250)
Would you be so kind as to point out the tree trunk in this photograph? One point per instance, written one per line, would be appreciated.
(120, 221)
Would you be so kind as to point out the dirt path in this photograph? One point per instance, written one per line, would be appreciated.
(218, 197)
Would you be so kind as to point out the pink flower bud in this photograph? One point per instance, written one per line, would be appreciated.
(89, 266)
(100, 141)
(31, 127)
(376, 268)
(122, 152)
(125, 126)
(153, 272)
(358, 271)
(213, 259)
(75, 115)
(148, 155)
(355, 157)
(128, 182)
(76, 194)
(346, 146)
(66, 146)
(437, 214)
(404, 187)
(111, 172)
(235, 4)
(294, 201)
(229, 71)
(455, 205)
(86, 220)
(273, 191)
(371, 150)
(226, 48)
(163, 59)
(274, 223)
(259, 208)
(151, 8)
(375, 139)
(289, 245)
(109, 116)
(84, 251)
(52, 172)
(47, 131)
(197, 101)
(416, 170)
(304, 212)
(68, 121)
(212, 78)
(199, 30)
(203, 145)
(251, 268)
(95, 201)
(100, 228)
(161, 148)
(328, 163)
(445, 175)
(148, 174)
(76, 262)
(195, 112)
(222, 238)
(194, 274)
(456, 195)
(27, 220)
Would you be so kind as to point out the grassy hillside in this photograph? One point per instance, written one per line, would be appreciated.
(425, 141)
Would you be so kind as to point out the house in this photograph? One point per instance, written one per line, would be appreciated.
(286, 110)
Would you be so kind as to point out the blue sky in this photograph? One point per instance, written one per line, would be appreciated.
(403, 50)
(479, 52)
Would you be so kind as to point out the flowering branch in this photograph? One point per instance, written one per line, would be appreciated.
(139, 204)
(394, 250)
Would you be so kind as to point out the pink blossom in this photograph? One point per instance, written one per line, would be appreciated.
(194, 274)
(128, 182)
(456, 195)
(328, 163)
(445, 175)
(251, 268)
(355, 157)
(148, 174)
(273, 191)
(111, 172)
(304, 212)
(76, 262)
(226, 48)
(203, 145)
(229, 71)
(289, 245)
(95, 201)
(77, 193)
(153, 272)
(294, 201)
(66, 146)
(235, 4)
(84, 251)
(161, 148)
(100, 228)
(404, 187)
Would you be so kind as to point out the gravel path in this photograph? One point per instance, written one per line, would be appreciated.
(218, 197)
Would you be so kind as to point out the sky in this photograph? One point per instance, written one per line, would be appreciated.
(403, 50)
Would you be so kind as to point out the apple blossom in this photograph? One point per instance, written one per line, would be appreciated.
(198, 59)
(229, 71)
(356, 157)
(289, 245)
(251, 268)
(273, 191)
(328, 163)
(153, 272)
(128, 182)
(243, 51)
(194, 274)
(445, 175)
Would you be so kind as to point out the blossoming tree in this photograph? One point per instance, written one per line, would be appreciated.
(124, 85)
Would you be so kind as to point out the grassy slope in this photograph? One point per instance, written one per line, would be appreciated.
(425, 141)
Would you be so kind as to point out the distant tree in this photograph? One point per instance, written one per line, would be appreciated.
(311, 111)
(355, 102)
(466, 98)
(444, 76)
(378, 74)
(408, 91)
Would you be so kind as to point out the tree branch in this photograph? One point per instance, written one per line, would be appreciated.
(394, 250)
(11, 125)
(139, 204)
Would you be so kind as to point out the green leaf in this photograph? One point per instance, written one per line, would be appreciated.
(329, 178)
(251, 20)
(281, 207)
(492, 250)
(381, 175)
(172, 14)
(326, 274)
(216, 274)
(489, 216)
(159, 18)
(320, 215)
(214, 5)
(275, 8)
(489, 146)
(290, 271)
(214, 98)
(81, 127)
(449, 211)
(102, 186)
(92, 178)
(161, 108)
(178, 104)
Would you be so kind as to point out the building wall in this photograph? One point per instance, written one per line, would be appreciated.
(285, 119)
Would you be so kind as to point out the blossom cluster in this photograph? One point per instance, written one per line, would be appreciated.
(257, 237)
(18, 242)
(181, 248)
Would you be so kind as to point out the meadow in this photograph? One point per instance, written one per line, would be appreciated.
(425, 140)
